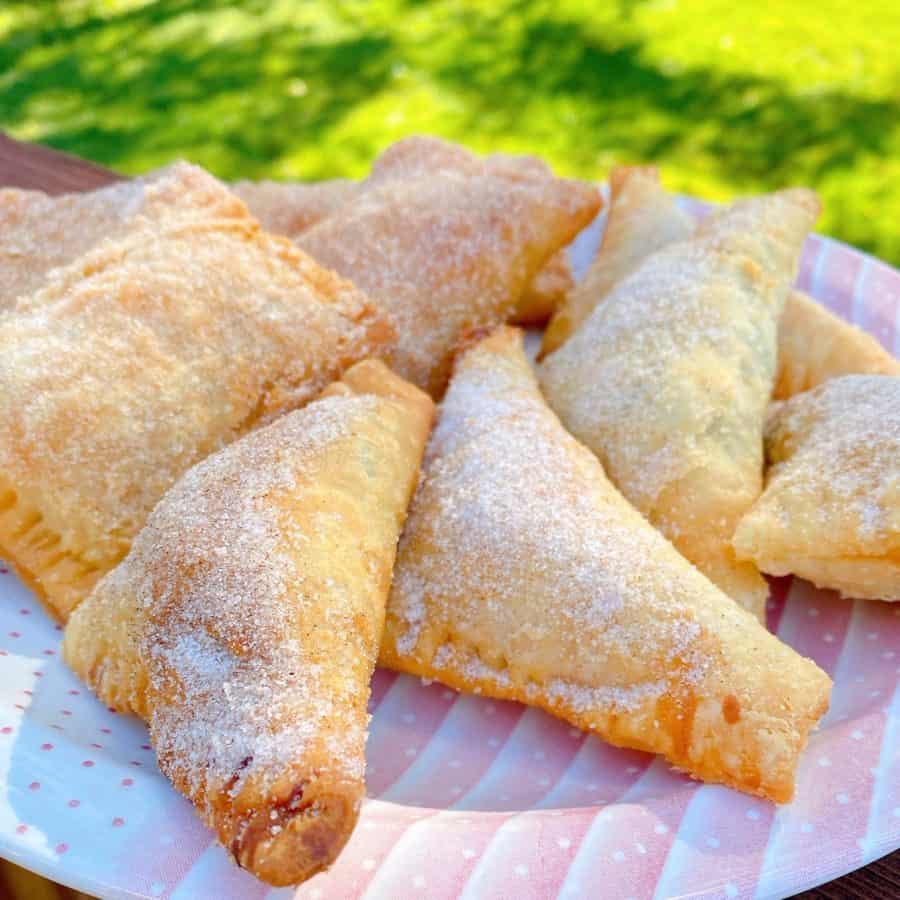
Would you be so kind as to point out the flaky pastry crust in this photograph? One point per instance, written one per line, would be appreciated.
(244, 623)
(141, 358)
(669, 378)
(41, 233)
(642, 218)
(523, 574)
(815, 345)
(831, 508)
(448, 248)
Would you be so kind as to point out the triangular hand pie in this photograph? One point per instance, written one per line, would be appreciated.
(831, 508)
(448, 250)
(143, 357)
(669, 378)
(244, 623)
(523, 574)
(642, 218)
(41, 233)
(290, 208)
(815, 345)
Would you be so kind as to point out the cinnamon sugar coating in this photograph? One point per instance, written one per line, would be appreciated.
(41, 233)
(141, 358)
(523, 574)
(244, 623)
(669, 378)
(830, 511)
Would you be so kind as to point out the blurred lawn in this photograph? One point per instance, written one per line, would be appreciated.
(729, 97)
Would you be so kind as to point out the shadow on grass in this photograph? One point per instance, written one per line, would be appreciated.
(749, 126)
(223, 84)
(183, 95)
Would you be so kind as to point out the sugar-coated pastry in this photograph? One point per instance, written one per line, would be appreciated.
(423, 155)
(815, 345)
(668, 380)
(523, 574)
(830, 511)
(41, 233)
(244, 624)
(138, 360)
(448, 251)
(290, 207)
(642, 218)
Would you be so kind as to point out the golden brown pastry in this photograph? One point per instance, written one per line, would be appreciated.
(448, 251)
(138, 360)
(289, 208)
(41, 233)
(244, 624)
(642, 218)
(669, 379)
(831, 508)
(421, 155)
(523, 574)
(815, 345)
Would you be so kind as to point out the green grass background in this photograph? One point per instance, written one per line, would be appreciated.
(727, 96)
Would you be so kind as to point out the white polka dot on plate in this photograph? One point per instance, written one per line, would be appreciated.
(521, 871)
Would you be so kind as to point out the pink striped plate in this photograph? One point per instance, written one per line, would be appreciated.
(480, 799)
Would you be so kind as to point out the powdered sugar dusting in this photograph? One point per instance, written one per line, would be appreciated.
(41, 233)
(237, 690)
(521, 567)
(155, 350)
(836, 451)
(448, 250)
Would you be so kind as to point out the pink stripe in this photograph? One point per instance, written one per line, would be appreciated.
(815, 623)
(535, 757)
(437, 856)
(459, 754)
(599, 774)
(834, 786)
(884, 823)
(382, 681)
(408, 716)
(723, 838)
(630, 841)
(381, 825)
(531, 855)
(162, 848)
